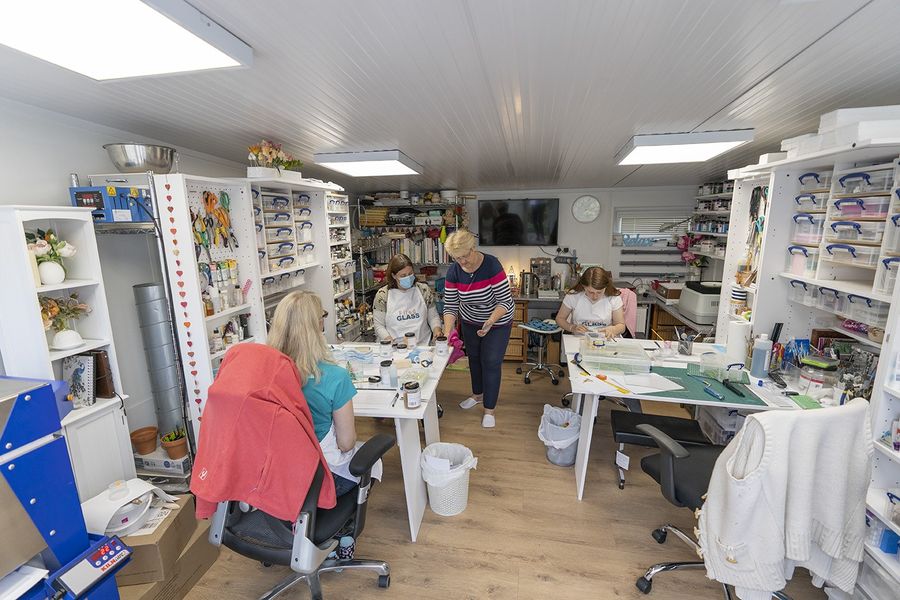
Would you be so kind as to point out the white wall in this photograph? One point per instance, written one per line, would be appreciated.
(38, 151)
(592, 241)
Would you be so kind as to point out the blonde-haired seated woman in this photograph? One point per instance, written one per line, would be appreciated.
(593, 304)
(405, 306)
(297, 331)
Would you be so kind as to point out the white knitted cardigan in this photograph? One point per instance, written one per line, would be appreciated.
(789, 491)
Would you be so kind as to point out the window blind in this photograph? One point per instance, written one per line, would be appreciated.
(649, 222)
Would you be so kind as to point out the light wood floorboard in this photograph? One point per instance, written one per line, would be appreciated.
(524, 535)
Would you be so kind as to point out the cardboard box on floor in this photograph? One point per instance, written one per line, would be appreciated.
(155, 553)
(196, 560)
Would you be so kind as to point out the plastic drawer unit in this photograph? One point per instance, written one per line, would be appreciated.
(848, 254)
(866, 310)
(808, 229)
(886, 276)
(892, 235)
(863, 232)
(862, 207)
(275, 203)
(802, 261)
(301, 213)
(802, 293)
(815, 180)
(279, 234)
(307, 253)
(861, 182)
(811, 203)
(280, 249)
(831, 300)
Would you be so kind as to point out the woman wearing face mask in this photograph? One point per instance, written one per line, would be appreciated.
(593, 304)
(405, 306)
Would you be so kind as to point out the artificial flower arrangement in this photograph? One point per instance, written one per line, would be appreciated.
(269, 155)
(47, 246)
(59, 314)
(689, 258)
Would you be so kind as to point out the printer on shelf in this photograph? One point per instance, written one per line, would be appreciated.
(699, 301)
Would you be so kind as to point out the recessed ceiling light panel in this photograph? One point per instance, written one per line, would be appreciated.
(117, 39)
(376, 163)
(680, 147)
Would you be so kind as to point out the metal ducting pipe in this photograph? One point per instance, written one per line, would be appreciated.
(159, 346)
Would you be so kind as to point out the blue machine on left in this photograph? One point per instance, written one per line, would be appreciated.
(39, 506)
(113, 204)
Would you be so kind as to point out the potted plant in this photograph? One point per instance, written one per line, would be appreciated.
(49, 251)
(60, 315)
(268, 160)
(175, 443)
(693, 262)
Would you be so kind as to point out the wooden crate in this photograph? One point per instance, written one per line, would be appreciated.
(516, 349)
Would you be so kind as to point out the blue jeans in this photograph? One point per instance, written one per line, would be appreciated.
(342, 485)
(486, 359)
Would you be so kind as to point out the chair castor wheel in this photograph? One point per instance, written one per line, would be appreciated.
(528, 380)
(644, 584)
(566, 402)
(554, 381)
(518, 370)
(621, 485)
(659, 535)
(266, 564)
(440, 411)
(384, 581)
(562, 373)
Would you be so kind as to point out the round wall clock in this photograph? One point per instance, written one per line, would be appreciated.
(586, 209)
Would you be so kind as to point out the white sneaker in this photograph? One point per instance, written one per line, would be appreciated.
(488, 421)
(468, 403)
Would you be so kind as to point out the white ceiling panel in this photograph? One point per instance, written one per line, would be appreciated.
(494, 94)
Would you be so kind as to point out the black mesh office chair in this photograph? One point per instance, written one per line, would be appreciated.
(304, 546)
(683, 476)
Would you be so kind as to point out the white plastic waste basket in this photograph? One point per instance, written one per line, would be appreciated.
(559, 431)
(448, 484)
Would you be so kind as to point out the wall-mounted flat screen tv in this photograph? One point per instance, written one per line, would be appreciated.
(527, 222)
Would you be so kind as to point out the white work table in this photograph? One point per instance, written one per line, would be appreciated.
(377, 403)
(589, 390)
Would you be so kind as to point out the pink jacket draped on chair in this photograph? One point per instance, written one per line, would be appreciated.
(629, 306)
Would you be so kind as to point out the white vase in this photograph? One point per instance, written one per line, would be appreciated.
(51, 273)
(66, 340)
(262, 173)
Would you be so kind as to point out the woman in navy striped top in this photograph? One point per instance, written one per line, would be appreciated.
(477, 294)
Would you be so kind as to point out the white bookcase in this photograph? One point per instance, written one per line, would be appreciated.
(97, 436)
(774, 301)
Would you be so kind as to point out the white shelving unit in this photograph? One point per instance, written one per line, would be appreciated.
(772, 303)
(25, 346)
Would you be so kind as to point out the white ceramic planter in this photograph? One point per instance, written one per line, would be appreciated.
(66, 339)
(51, 273)
(270, 173)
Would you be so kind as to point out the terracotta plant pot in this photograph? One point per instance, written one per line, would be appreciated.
(176, 449)
(144, 439)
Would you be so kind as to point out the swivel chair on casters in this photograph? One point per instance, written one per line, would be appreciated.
(551, 369)
(683, 476)
(304, 546)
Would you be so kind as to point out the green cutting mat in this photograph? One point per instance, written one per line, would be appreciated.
(693, 388)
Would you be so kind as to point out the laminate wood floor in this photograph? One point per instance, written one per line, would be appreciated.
(524, 534)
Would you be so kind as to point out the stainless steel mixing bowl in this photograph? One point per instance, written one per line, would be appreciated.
(140, 158)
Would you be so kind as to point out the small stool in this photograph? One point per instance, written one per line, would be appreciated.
(541, 346)
(625, 431)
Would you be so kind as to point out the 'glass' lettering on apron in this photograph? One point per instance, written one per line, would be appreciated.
(408, 316)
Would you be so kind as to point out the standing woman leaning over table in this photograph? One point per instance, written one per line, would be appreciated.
(593, 304)
(477, 293)
(405, 306)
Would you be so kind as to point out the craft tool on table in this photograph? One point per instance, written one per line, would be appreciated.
(734, 388)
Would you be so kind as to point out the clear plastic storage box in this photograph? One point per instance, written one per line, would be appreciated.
(281, 249)
(892, 235)
(859, 256)
(866, 310)
(802, 261)
(863, 207)
(802, 292)
(304, 231)
(284, 262)
(278, 219)
(866, 232)
(279, 234)
(275, 203)
(886, 276)
(815, 180)
(862, 181)
(831, 300)
(811, 203)
(808, 228)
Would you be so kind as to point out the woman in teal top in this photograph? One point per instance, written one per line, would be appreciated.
(296, 331)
